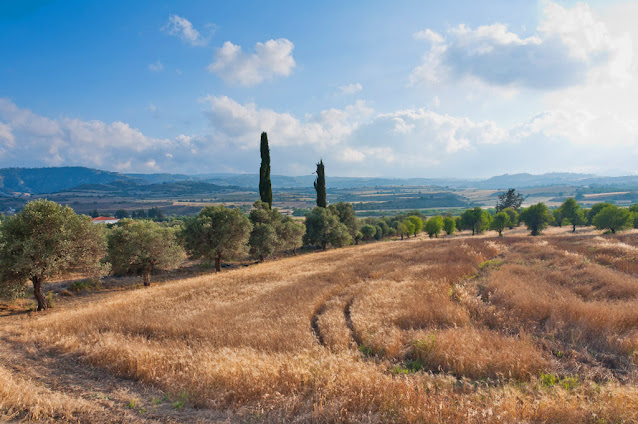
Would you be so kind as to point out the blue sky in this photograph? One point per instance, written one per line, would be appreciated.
(406, 89)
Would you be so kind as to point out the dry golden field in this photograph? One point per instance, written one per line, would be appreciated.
(463, 329)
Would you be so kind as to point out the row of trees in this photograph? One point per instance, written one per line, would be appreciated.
(154, 213)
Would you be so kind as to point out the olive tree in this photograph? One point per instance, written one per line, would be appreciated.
(272, 231)
(409, 226)
(290, 233)
(595, 209)
(347, 216)
(45, 239)
(499, 222)
(571, 211)
(513, 215)
(217, 233)
(433, 226)
(143, 246)
(368, 231)
(449, 225)
(417, 222)
(402, 230)
(323, 227)
(476, 219)
(613, 218)
(536, 218)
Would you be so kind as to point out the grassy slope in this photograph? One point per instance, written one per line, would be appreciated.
(459, 330)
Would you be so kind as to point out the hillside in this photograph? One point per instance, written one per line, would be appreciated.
(153, 190)
(462, 329)
(50, 180)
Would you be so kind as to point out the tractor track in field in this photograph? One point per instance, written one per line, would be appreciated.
(349, 294)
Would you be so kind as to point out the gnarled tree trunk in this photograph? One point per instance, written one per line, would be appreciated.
(37, 292)
(218, 262)
(146, 276)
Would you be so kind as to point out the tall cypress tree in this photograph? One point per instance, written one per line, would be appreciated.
(320, 185)
(265, 189)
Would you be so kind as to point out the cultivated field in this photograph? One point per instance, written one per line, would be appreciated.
(464, 329)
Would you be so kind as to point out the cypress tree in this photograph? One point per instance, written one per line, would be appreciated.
(265, 189)
(320, 185)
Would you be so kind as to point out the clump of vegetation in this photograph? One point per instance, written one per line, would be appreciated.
(143, 246)
(536, 218)
(217, 233)
(433, 226)
(44, 240)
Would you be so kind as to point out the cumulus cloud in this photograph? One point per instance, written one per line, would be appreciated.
(156, 67)
(238, 123)
(567, 44)
(354, 140)
(34, 140)
(184, 29)
(350, 88)
(6, 135)
(270, 59)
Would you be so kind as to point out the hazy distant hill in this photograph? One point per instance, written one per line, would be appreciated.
(50, 180)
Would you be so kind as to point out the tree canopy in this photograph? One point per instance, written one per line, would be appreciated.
(449, 225)
(476, 220)
(46, 239)
(417, 222)
(323, 228)
(434, 225)
(536, 217)
(613, 218)
(272, 231)
(509, 199)
(571, 211)
(217, 233)
(143, 246)
(368, 231)
(500, 221)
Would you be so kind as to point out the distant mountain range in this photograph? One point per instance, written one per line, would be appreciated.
(50, 180)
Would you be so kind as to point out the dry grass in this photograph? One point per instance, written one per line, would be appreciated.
(460, 330)
(23, 399)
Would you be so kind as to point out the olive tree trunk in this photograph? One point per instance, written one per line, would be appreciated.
(146, 276)
(218, 262)
(37, 292)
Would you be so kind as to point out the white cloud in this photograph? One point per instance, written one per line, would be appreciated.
(270, 59)
(567, 45)
(36, 141)
(156, 67)
(6, 135)
(354, 140)
(429, 35)
(184, 29)
(350, 88)
(238, 124)
(582, 127)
